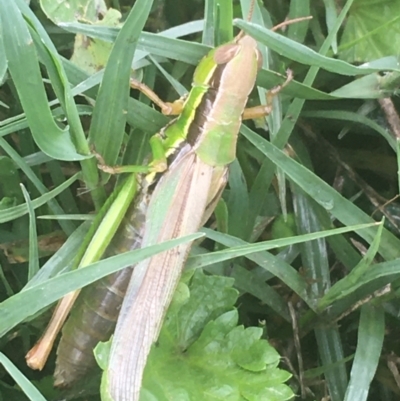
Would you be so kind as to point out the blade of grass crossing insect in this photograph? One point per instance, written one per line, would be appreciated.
(315, 258)
(28, 302)
(94, 244)
(33, 241)
(344, 210)
(109, 114)
(27, 387)
(110, 222)
(371, 333)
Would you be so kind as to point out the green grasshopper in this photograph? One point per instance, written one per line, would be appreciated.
(205, 133)
(192, 153)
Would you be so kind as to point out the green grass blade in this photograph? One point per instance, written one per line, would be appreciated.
(23, 62)
(109, 115)
(21, 210)
(27, 387)
(303, 54)
(61, 261)
(323, 194)
(33, 241)
(266, 260)
(314, 257)
(28, 302)
(209, 29)
(224, 13)
(351, 282)
(371, 332)
(332, 358)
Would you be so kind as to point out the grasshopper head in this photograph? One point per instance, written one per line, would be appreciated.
(240, 62)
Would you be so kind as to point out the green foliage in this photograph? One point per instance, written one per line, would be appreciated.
(327, 136)
(202, 353)
(366, 33)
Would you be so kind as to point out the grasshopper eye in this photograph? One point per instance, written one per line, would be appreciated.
(225, 53)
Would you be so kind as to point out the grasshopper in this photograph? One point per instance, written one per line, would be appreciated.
(206, 132)
(185, 180)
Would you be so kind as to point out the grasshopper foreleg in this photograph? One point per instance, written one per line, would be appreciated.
(158, 164)
(167, 108)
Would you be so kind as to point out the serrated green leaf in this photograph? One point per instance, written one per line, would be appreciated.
(213, 360)
(254, 354)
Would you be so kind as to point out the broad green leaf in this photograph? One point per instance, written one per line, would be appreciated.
(92, 55)
(73, 10)
(372, 31)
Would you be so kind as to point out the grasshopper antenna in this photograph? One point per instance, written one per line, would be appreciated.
(289, 22)
(248, 19)
(251, 10)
